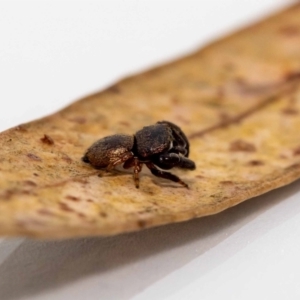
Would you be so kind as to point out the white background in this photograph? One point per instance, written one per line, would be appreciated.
(54, 52)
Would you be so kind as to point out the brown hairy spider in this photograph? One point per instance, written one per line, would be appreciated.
(162, 146)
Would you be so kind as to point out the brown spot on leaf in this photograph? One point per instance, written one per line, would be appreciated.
(30, 183)
(26, 192)
(36, 174)
(21, 128)
(65, 207)
(29, 223)
(80, 180)
(229, 66)
(175, 100)
(47, 140)
(33, 157)
(142, 223)
(224, 116)
(114, 89)
(124, 123)
(247, 89)
(79, 120)
(290, 30)
(72, 198)
(290, 111)
(226, 182)
(66, 158)
(45, 212)
(240, 145)
(103, 214)
(220, 92)
(255, 163)
(292, 76)
(293, 167)
(296, 151)
(8, 193)
(182, 119)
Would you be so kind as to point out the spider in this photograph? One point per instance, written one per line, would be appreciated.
(160, 147)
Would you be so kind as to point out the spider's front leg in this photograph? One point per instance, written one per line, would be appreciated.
(166, 175)
(137, 168)
(170, 160)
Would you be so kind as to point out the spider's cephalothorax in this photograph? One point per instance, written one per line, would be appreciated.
(162, 146)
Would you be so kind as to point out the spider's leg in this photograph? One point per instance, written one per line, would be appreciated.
(129, 163)
(123, 158)
(137, 168)
(165, 175)
(167, 161)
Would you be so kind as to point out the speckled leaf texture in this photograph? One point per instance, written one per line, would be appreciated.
(238, 101)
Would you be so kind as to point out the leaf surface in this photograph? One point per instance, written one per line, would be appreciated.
(238, 101)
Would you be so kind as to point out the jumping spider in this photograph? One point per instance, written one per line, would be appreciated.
(160, 146)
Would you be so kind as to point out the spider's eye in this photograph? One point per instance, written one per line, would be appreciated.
(169, 159)
(163, 159)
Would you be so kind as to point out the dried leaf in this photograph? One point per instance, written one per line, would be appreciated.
(238, 100)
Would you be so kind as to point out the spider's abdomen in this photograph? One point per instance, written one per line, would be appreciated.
(153, 139)
(108, 149)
